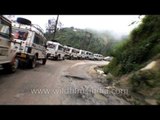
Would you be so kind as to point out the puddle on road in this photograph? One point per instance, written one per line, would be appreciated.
(75, 77)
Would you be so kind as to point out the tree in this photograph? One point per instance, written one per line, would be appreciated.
(55, 27)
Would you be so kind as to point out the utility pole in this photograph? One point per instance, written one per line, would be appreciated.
(55, 27)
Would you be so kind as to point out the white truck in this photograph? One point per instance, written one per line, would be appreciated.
(74, 53)
(108, 58)
(29, 42)
(67, 50)
(98, 57)
(81, 54)
(71, 53)
(55, 50)
(89, 55)
(8, 59)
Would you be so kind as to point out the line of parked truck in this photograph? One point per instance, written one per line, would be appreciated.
(58, 51)
(23, 43)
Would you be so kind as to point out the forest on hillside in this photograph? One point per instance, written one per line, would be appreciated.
(86, 39)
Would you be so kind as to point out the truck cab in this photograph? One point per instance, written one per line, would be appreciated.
(98, 57)
(81, 54)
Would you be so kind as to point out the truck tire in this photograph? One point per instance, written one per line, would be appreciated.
(44, 61)
(48, 55)
(33, 62)
(59, 57)
(11, 68)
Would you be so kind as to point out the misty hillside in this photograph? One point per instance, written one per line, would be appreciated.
(136, 61)
(142, 45)
(85, 39)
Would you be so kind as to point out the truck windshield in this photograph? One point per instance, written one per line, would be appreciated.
(20, 34)
(67, 49)
(51, 46)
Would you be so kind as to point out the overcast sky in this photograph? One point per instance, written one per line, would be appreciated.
(114, 23)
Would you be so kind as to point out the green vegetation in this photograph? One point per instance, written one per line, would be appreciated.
(142, 45)
(86, 39)
(130, 55)
(80, 39)
(146, 83)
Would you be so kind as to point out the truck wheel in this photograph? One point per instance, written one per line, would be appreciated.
(33, 62)
(44, 61)
(14, 66)
(59, 57)
(47, 56)
(11, 68)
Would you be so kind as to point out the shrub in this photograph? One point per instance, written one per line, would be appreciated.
(141, 79)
